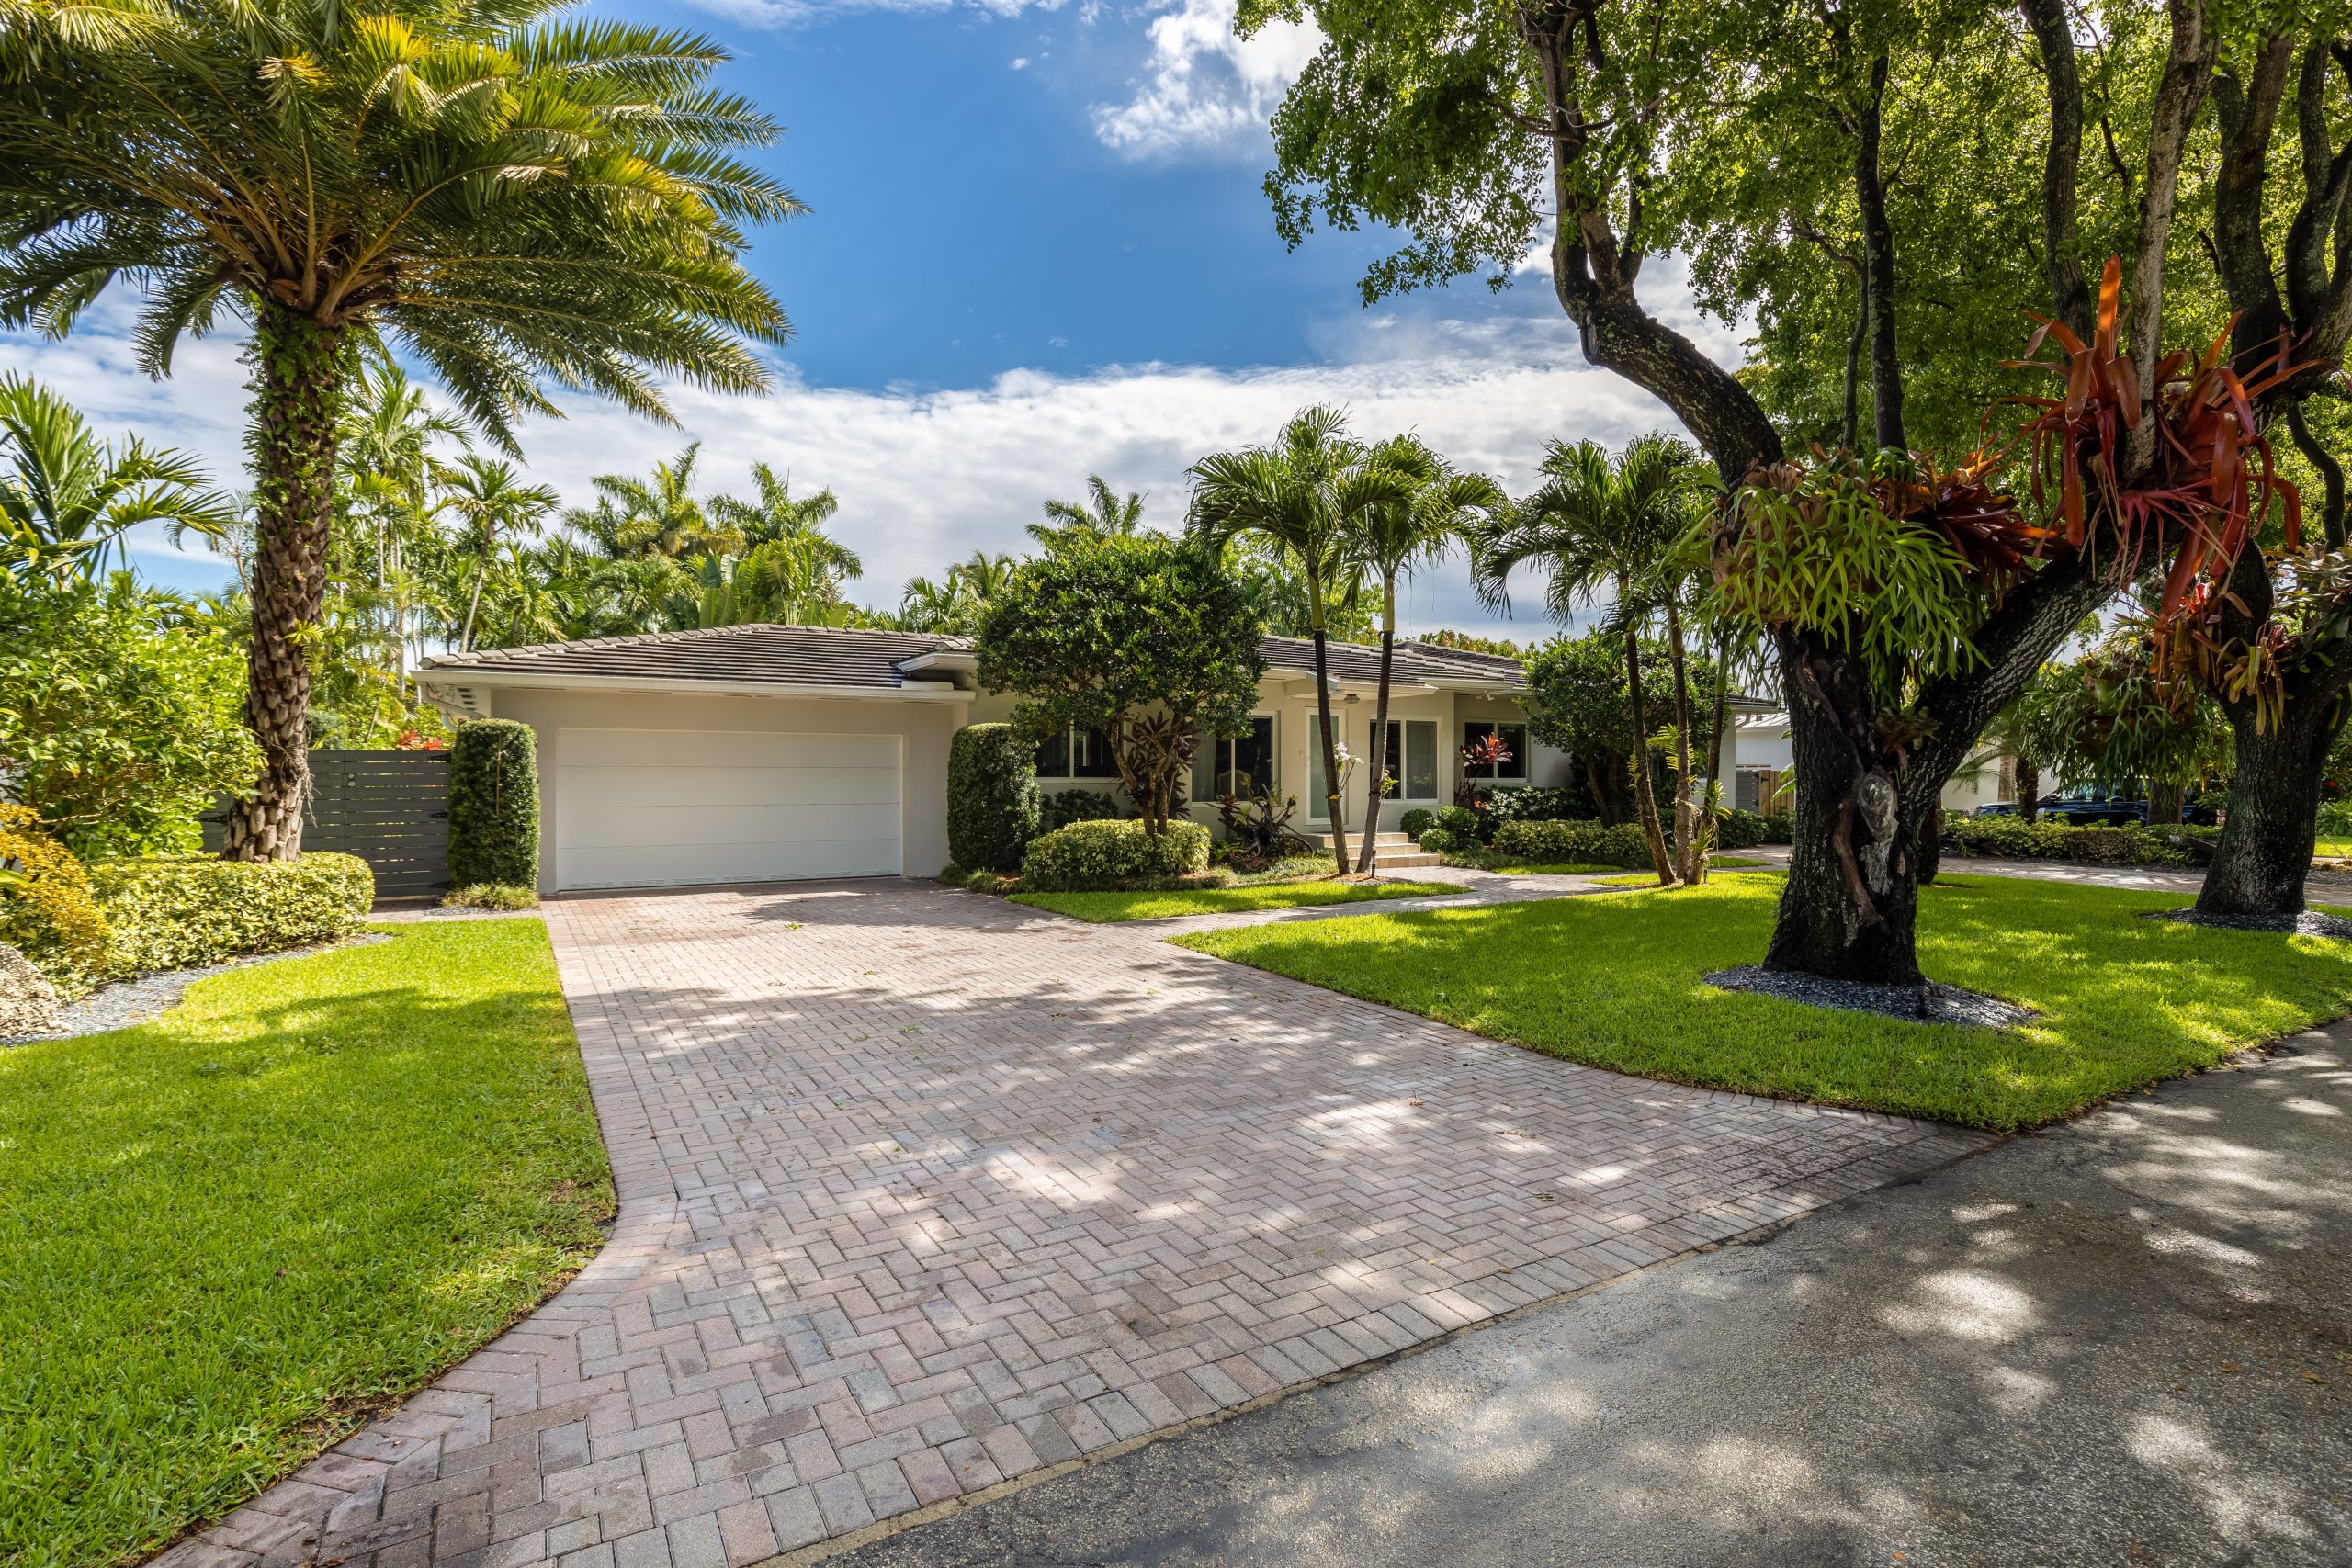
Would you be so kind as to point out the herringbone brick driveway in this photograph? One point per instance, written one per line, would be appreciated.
(921, 1190)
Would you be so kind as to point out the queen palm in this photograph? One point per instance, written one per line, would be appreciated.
(67, 498)
(1301, 494)
(1412, 524)
(1600, 524)
(1103, 510)
(658, 515)
(493, 506)
(517, 199)
(776, 515)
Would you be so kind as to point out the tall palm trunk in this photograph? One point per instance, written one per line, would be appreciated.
(1368, 858)
(1645, 797)
(1327, 739)
(1686, 837)
(297, 398)
(1721, 722)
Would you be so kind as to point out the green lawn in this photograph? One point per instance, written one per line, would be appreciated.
(1106, 908)
(2332, 848)
(1614, 980)
(230, 1235)
(1645, 879)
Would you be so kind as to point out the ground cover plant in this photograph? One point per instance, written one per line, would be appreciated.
(1105, 907)
(232, 1234)
(1617, 981)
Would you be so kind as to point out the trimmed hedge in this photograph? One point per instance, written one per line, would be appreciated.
(1737, 829)
(2013, 837)
(992, 803)
(1060, 808)
(1538, 803)
(175, 912)
(493, 804)
(1090, 857)
(1416, 822)
(1438, 841)
(1571, 843)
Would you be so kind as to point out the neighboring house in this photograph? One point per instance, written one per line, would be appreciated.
(1760, 759)
(767, 753)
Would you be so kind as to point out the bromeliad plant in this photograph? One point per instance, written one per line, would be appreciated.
(1910, 602)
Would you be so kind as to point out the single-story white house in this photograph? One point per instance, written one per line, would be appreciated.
(768, 752)
(1761, 754)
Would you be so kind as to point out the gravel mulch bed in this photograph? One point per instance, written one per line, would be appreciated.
(1930, 1004)
(2311, 923)
(122, 1003)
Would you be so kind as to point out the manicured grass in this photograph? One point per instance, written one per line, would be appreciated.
(229, 1236)
(1106, 908)
(2332, 849)
(1615, 980)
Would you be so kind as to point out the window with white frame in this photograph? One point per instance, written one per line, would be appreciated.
(1241, 764)
(1475, 735)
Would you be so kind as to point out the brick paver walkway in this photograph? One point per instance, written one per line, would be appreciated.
(921, 1191)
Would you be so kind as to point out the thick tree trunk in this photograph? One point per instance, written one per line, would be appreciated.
(1368, 856)
(1325, 738)
(1644, 798)
(1851, 905)
(2164, 804)
(2028, 791)
(2273, 823)
(298, 394)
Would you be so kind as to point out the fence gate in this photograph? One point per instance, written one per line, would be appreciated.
(391, 808)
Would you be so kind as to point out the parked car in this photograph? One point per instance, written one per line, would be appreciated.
(2077, 810)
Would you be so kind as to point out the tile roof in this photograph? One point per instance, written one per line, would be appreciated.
(797, 655)
(1415, 662)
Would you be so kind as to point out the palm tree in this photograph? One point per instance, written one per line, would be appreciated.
(777, 516)
(1601, 523)
(932, 607)
(1102, 512)
(67, 498)
(493, 504)
(386, 450)
(656, 516)
(983, 576)
(519, 197)
(1301, 494)
(1432, 507)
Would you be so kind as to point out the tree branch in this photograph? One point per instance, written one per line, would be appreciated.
(2070, 296)
(2189, 67)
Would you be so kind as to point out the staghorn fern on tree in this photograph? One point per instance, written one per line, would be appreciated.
(520, 200)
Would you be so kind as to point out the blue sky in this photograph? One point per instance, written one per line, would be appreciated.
(1037, 247)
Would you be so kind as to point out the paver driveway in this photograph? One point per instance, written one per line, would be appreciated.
(921, 1191)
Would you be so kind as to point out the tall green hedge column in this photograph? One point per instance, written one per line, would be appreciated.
(494, 804)
(992, 798)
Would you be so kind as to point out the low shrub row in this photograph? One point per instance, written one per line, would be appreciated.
(1571, 843)
(1092, 856)
(173, 912)
(2013, 838)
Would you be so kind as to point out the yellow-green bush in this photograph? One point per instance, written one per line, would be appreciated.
(174, 911)
(48, 911)
(1096, 856)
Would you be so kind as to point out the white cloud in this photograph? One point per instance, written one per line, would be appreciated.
(927, 476)
(796, 13)
(1205, 88)
(1020, 63)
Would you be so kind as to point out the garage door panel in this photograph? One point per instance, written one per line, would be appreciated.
(659, 809)
(663, 865)
(687, 788)
(726, 749)
(606, 825)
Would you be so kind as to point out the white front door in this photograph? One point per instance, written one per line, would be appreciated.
(668, 807)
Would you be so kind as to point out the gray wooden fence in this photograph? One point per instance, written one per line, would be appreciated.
(391, 808)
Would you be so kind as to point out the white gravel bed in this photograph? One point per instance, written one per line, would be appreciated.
(122, 1003)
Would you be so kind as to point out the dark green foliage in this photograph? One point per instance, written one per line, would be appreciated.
(1099, 856)
(1416, 822)
(1571, 843)
(1438, 841)
(1577, 702)
(2013, 836)
(1538, 804)
(1144, 637)
(1060, 808)
(1737, 829)
(494, 804)
(1780, 827)
(1458, 820)
(991, 796)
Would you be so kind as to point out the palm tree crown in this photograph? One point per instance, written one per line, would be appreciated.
(68, 497)
(1103, 510)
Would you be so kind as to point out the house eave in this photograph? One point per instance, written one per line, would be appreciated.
(459, 677)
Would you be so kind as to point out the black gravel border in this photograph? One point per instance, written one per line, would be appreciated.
(2311, 923)
(1932, 1003)
(122, 1003)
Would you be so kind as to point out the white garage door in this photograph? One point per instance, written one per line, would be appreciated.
(665, 807)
